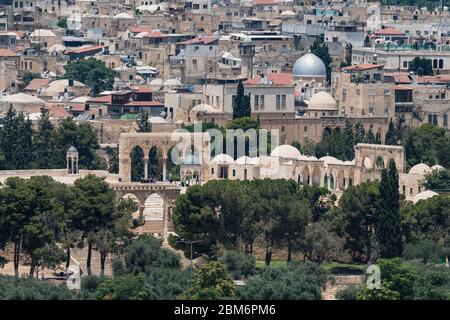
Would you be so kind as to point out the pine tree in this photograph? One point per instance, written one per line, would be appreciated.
(8, 138)
(23, 153)
(388, 226)
(241, 103)
(44, 143)
(142, 122)
(390, 134)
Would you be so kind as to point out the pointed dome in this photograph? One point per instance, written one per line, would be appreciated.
(322, 101)
(309, 66)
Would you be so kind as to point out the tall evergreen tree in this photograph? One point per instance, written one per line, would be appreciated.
(23, 153)
(8, 138)
(241, 103)
(321, 50)
(44, 143)
(390, 134)
(142, 122)
(388, 226)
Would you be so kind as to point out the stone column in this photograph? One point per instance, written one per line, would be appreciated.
(164, 169)
(145, 168)
(346, 183)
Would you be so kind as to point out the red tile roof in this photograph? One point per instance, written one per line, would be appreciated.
(101, 99)
(140, 29)
(144, 103)
(282, 78)
(440, 79)
(264, 2)
(402, 78)
(362, 67)
(389, 32)
(155, 34)
(85, 49)
(202, 40)
(37, 84)
(79, 107)
(7, 53)
(56, 111)
(142, 89)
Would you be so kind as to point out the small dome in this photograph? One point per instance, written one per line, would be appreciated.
(246, 160)
(287, 13)
(437, 167)
(424, 195)
(312, 158)
(286, 151)
(157, 82)
(172, 82)
(72, 149)
(203, 107)
(191, 160)
(322, 101)
(330, 160)
(222, 159)
(123, 15)
(420, 168)
(309, 66)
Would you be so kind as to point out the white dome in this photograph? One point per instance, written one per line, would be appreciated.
(312, 158)
(247, 160)
(58, 48)
(330, 160)
(123, 15)
(172, 82)
(322, 101)
(420, 168)
(157, 120)
(286, 151)
(42, 33)
(349, 163)
(222, 159)
(157, 82)
(309, 66)
(287, 13)
(437, 167)
(203, 107)
(424, 195)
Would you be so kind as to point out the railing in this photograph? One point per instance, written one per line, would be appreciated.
(409, 47)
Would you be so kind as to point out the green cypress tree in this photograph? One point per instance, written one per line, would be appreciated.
(241, 103)
(390, 134)
(44, 143)
(388, 226)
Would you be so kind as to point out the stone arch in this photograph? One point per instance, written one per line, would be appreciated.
(137, 166)
(163, 141)
(154, 208)
(379, 163)
(137, 213)
(316, 176)
(155, 163)
(367, 162)
(306, 176)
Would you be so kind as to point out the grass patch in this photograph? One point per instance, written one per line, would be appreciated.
(275, 264)
(335, 267)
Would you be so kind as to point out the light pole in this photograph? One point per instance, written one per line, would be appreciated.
(190, 242)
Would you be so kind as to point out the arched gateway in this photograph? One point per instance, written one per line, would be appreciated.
(163, 141)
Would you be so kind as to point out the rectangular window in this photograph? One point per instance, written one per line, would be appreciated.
(445, 120)
(261, 102)
(256, 102)
(283, 101)
(278, 102)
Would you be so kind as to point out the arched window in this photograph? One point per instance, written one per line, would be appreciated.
(325, 181)
(441, 64)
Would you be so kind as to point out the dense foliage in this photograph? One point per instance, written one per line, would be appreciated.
(91, 72)
(46, 147)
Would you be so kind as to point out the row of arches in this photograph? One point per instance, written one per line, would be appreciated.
(152, 209)
(329, 179)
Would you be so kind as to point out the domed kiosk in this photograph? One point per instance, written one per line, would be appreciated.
(322, 104)
(309, 67)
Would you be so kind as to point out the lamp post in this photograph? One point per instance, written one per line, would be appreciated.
(190, 242)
